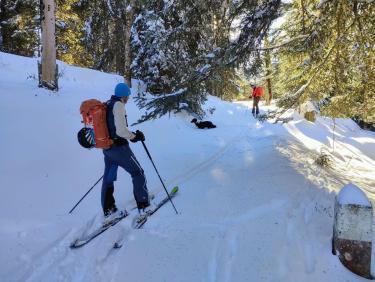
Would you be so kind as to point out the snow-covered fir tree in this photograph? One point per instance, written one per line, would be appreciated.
(194, 40)
(151, 60)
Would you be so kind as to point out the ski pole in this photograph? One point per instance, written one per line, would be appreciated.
(86, 194)
(148, 154)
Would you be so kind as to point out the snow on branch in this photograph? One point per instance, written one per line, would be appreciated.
(291, 100)
(162, 96)
(287, 42)
(110, 9)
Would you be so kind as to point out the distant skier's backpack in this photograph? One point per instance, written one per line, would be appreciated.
(95, 133)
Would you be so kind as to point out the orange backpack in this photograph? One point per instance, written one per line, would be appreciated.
(95, 133)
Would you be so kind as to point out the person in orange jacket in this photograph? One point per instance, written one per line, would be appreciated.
(256, 95)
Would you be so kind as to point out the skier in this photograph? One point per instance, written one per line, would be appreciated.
(256, 95)
(120, 154)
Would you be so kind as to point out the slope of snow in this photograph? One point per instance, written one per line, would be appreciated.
(252, 204)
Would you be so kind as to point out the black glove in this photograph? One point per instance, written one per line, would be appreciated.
(139, 136)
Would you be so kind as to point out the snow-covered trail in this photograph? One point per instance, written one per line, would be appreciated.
(253, 205)
(248, 222)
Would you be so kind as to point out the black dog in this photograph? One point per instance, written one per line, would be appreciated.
(203, 124)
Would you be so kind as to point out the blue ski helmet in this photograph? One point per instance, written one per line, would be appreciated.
(122, 90)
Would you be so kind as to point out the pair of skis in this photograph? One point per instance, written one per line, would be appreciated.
(138, 223)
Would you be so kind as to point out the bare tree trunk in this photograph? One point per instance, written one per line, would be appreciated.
(339, 71)
(119, 53)
(268, 72)
(128, 52)
(5, 35)
(48, 71)
(119, 18)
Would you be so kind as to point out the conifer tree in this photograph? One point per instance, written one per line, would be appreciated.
(331, 62)
(19, 27)
(69, 34)
(195, 41)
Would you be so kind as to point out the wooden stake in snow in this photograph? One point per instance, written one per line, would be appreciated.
(48, 67)
(352, 230)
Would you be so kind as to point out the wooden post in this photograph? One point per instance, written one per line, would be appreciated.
(48, 68)
(352, 230)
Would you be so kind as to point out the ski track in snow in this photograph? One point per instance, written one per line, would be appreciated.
(226, 248)
(41, 262)
(57, 257)
(213, 264)
(60, 263)
(231, 238)
(223, 251)
(255, 213)
(188, 174)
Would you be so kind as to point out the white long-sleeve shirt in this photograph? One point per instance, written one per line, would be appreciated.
(120, 122)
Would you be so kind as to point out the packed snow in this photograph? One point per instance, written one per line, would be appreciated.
(253, 205)
(350, 194)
